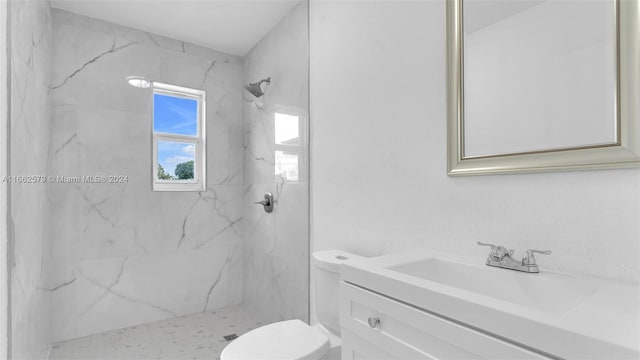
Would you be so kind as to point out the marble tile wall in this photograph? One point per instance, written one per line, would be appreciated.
(30, 39)
(122, 254)
(4, 187)
(276, 251)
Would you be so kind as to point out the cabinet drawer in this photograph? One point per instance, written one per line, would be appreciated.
(406, 332)
(356, 348)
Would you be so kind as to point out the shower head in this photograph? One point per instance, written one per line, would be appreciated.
(255, 89)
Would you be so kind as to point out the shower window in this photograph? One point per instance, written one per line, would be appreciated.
(287, 146)
(178, 138)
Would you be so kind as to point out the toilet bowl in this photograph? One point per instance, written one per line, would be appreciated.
(294, 339)
(290, 339)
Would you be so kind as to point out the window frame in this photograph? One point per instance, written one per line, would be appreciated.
(295, 149)
(199, 166)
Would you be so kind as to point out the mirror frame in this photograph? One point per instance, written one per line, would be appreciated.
(625, 153)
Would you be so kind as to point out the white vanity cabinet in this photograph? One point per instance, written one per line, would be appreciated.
(375, 326)
(426, 304)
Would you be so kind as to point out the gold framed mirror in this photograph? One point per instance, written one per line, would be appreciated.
(584, 115)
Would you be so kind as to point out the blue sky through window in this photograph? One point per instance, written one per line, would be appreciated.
(171, 153)
(175, 115)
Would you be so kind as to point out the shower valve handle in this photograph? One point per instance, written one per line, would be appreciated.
(267, 203)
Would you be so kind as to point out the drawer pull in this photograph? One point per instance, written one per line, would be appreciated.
(374, 322)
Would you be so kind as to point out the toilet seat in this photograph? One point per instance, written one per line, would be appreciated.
(285, 340)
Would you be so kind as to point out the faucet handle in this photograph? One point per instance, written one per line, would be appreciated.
(497, 252)
(529, 259)
(493, 247)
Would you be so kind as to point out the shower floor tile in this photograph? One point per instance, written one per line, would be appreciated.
(196, 336)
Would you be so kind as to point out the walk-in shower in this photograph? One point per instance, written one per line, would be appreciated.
(98, 250)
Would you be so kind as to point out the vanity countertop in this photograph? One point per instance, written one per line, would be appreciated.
(557, 314)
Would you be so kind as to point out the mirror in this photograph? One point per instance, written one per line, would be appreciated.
(542, 85)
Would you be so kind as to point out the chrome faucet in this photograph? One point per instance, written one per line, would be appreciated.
(501, 257)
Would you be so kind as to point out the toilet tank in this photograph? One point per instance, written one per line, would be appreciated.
(326, 272)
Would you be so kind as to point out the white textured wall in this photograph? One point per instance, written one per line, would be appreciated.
(378, 139)
(30, 131)
(276, 253)
(122, 254)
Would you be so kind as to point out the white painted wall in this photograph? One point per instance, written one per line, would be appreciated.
(378, 144)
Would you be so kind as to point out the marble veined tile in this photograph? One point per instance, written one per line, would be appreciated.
(107, 294)
(276, 248)
(30, 44)
(276, 253)
(121, 253)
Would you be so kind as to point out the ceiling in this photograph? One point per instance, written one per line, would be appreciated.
(231, 26)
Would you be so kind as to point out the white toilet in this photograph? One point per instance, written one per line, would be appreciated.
(293, 339)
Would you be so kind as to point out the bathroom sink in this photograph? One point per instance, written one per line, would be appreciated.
(556, 293)
(562, 314)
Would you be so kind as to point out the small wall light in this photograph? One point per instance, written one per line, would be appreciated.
(139, 82)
